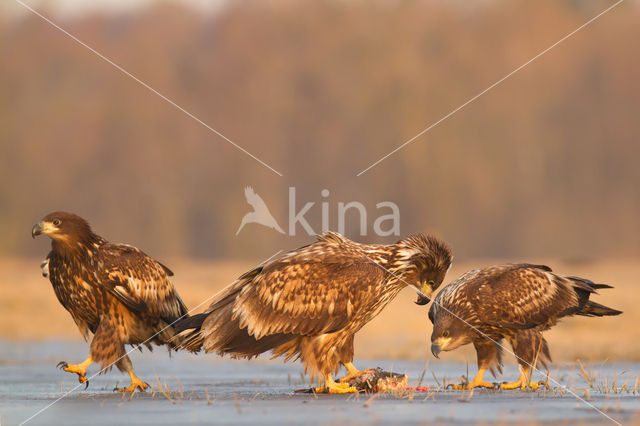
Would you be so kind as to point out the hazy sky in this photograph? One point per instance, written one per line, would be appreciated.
(12, 8)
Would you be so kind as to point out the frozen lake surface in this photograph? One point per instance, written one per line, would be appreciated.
(225, 391)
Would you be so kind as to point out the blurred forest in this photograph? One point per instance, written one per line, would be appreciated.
(545, 164)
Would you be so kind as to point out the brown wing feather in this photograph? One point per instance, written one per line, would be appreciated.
(139, 282)
(304, 298)
(306, 292)
(521, 296)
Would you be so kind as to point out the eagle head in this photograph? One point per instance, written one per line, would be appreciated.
(423, 262)
(64, 228)
(449, 331)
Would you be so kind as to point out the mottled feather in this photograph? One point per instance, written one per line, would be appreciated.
(113, 291)
(310, 302)
(514, 301)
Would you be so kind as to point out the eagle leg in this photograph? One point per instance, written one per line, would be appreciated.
(79, 369)
(136, 383)
(352, 373)
(523, 382)
(477, 382)
(330, 386)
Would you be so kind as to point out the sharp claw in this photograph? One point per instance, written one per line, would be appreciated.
(86, 385)
(62, 365)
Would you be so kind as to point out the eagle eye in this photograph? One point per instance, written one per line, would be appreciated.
(57, 222)
(445, 333)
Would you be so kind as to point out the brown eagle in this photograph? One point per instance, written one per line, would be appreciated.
(114, 291)
(517, 302)
(310, 302)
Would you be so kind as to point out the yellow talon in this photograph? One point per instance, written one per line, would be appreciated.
(132, 387)
(330, 386)
(520, 384)
(523, 382)
(136, 383)
(348, 389)
(477, 382)
(481, 384)
(472, 385)
(352, 373)
(79, 369)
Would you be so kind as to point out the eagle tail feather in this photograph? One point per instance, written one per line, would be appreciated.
(187, 333)
(598, 286)
(224, 334)
(593, 309)
(588, 284)
(190, 340)
(190, 322)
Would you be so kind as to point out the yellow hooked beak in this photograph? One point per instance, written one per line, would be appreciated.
(440, 344)
(42, 227)
(424, 293)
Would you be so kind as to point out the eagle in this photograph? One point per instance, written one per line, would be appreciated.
(113, 291)
(310, 302)
(516, 302)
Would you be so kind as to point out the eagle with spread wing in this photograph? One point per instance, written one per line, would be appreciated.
(517, 302)
(310, 302)
(113, 291)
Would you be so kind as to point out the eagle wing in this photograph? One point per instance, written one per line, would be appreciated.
(312, 291)
(522, 295)
(139, 282)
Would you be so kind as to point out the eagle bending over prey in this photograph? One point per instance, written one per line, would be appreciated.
(310, 302)
(515, 302)
(114, 291)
